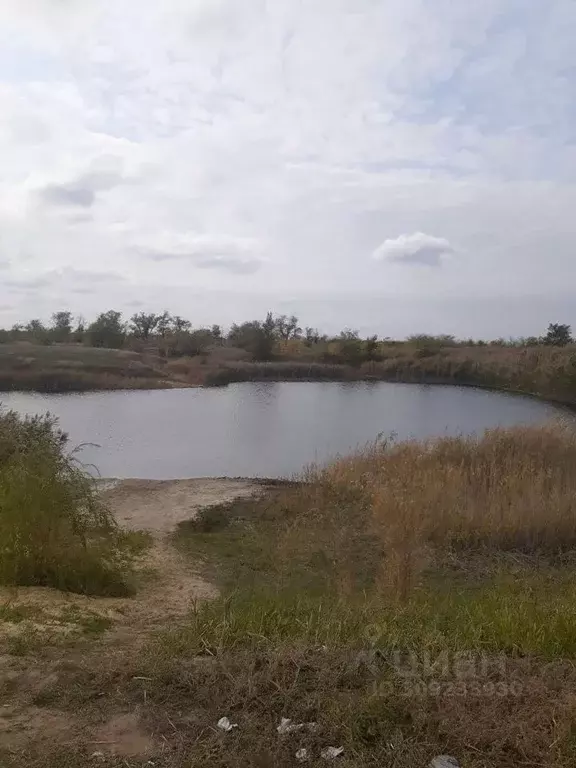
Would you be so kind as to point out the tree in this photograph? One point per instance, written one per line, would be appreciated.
(311, 336)
(164, 324)
(198, 341)
(349, 335)
(216, 332)
(142, 324)
(35, 326)
(558, 335)
(255, 337)
(179, 324)
(36, 330)
(80, 330)
(61, 326)
(350, 347)
(371, 348)
(107, 330)
(287, 327)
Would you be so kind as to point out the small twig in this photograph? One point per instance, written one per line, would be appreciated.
(143, 678)
(172, 724)
(98, 742)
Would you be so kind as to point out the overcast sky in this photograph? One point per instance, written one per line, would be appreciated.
(394, 166)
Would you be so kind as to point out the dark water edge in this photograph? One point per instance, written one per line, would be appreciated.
(259, 373)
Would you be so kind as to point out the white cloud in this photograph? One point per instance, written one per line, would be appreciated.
(233, 254)
(80, 191)
(68, 278)
(199, 130)
(414, 249)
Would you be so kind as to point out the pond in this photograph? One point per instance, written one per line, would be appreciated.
(264, 429)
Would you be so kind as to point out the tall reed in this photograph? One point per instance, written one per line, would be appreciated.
(54, 529)
(381, 516)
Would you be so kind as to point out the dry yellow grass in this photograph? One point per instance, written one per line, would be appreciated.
(329, 614)
(510, 490)
(548, 372)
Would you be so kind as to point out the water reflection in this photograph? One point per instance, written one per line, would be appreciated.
(264, 429)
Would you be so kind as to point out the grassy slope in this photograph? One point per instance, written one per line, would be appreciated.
(412, 601)
(67, 367)
(547, 372)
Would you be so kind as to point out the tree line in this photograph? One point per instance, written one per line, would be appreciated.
(173, 335)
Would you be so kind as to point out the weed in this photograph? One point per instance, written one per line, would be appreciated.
(54, 528)
(14, 614)
(29, 640)
(89, 622)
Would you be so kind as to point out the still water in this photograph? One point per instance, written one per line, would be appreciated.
(263, 429)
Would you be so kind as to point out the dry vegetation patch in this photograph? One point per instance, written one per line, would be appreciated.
(413, 600)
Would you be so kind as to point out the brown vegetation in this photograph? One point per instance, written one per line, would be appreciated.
(159, 350)
(548, 372)
(413, 600)
(75, 368)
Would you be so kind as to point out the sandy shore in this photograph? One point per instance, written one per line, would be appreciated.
(159, 505)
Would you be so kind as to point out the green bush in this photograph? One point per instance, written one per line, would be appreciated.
(54, 529)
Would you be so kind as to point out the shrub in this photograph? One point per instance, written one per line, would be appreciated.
(54, 529)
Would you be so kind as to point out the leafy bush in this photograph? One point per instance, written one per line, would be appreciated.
(54, 529)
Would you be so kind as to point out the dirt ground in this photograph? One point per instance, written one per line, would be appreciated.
(169, 587)
(159, 505)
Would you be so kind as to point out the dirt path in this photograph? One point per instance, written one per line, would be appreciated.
(157, 507)
(170, 586)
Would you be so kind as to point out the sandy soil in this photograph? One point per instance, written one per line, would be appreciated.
(174, 584)
(159, 505)
(172, 587)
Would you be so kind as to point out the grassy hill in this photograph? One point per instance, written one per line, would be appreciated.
(75, 368)
(545, 371)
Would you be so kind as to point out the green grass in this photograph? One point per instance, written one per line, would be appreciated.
(54, 528)
(471, 653)
(410, 601)
(29, 640)
(90, 623)
(531, 614)
(233, 541)
(14, 614)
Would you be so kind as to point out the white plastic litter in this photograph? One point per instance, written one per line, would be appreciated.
(225, 725)
(287, 726)
(330, 753)
(444, 761)
(302, 755)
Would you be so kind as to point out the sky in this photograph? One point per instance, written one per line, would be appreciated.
(391, 166)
